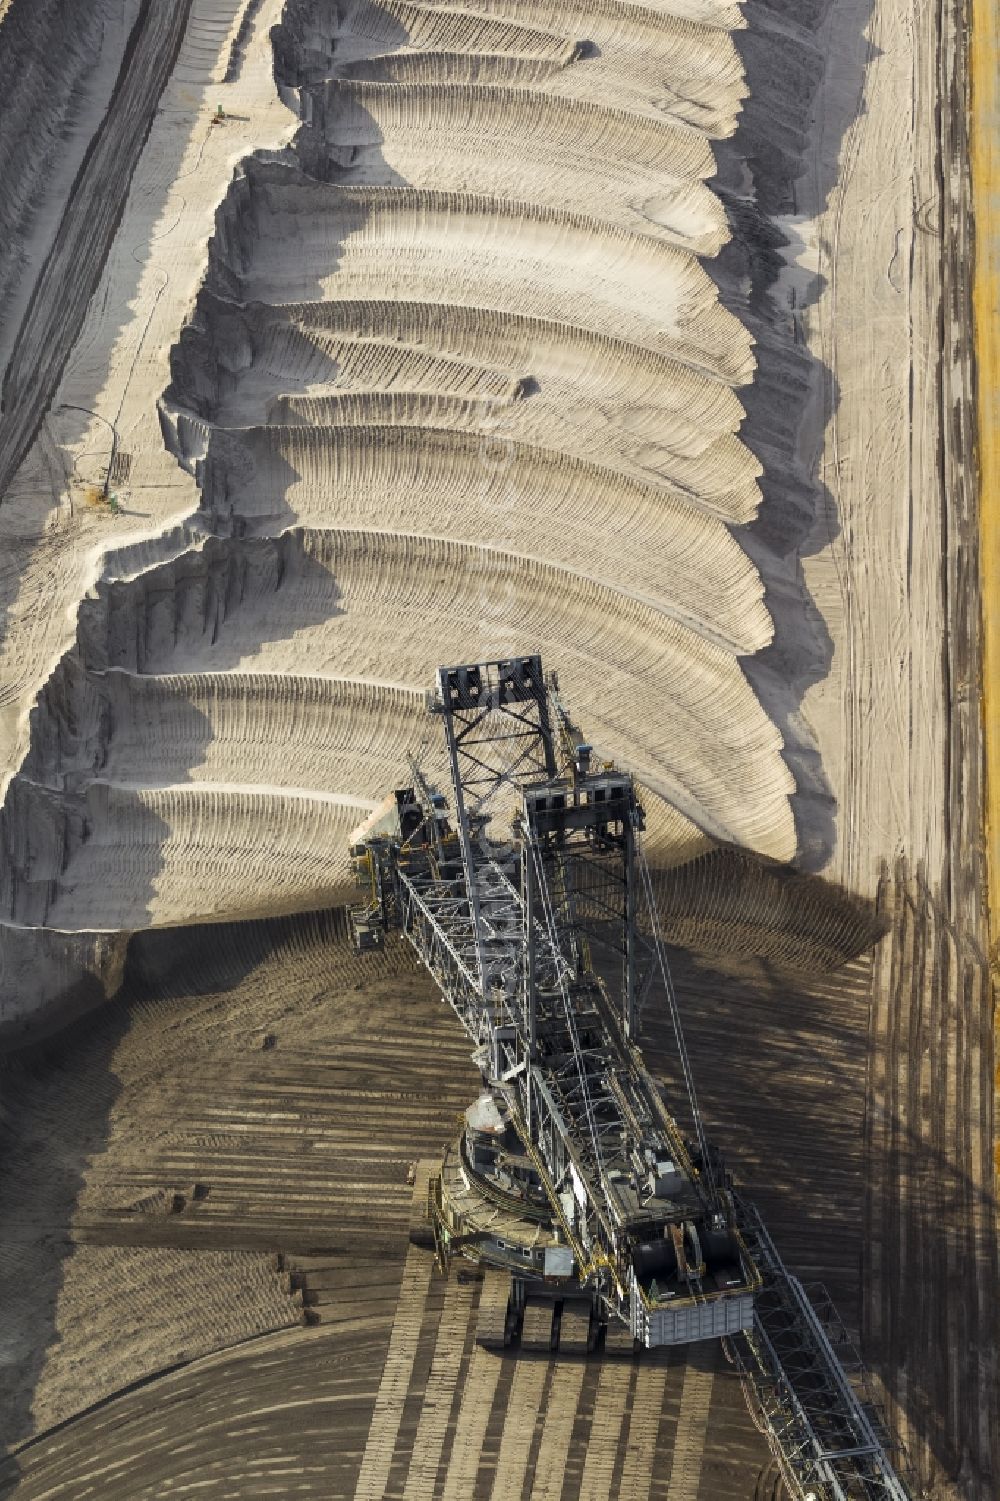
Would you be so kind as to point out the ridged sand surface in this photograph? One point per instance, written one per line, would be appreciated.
(456, 384)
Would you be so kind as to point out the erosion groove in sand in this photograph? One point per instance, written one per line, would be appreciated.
(43, 99)
(71, 270)
(456, 384)
(539, 382)
(551, 151)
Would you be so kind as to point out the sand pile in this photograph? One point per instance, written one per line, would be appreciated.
(456, 384)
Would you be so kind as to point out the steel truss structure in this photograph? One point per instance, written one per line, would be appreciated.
(806, 1383)
(527, 896)
(524, 898)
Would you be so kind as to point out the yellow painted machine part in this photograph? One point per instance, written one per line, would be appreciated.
(985, 143)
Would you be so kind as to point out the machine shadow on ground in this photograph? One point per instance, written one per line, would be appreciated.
(57, 1098)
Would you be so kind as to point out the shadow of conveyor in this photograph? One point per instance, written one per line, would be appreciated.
(783, 1063)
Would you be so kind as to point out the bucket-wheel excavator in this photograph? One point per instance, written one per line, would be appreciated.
(598, 1219)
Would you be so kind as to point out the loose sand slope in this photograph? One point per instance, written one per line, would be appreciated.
(442, 397)
(57, 72)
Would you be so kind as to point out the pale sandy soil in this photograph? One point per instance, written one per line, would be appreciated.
(386, 458)
(435, 426)
(881, 714)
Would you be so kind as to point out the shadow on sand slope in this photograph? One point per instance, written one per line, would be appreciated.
(771, 175)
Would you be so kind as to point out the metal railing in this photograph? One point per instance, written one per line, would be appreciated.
(826, 1434)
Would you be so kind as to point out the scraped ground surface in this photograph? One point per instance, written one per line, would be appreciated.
(428, 409)
(260, 1085)
(465, 369)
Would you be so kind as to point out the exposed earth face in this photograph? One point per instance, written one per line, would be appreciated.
(350, 339)
(455, 379)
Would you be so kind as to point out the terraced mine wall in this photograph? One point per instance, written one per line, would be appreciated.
(430, 389)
